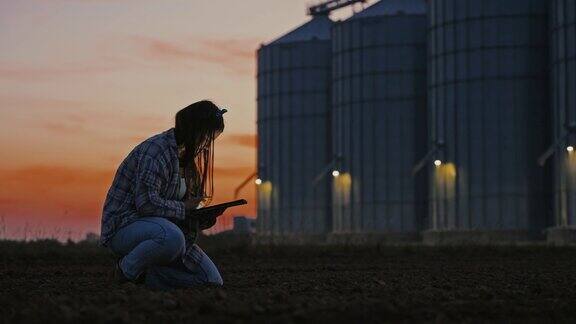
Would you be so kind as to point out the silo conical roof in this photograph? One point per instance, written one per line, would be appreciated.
(393, 7)
(317, 28)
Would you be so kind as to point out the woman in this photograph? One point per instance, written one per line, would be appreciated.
(147, 218)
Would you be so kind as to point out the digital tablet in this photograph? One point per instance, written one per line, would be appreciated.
(222, 207)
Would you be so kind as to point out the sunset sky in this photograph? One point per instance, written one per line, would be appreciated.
(84, 81)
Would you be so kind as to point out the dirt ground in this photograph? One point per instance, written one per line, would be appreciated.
(70, 283)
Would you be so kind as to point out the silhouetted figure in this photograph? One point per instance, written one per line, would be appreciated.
(147, 220)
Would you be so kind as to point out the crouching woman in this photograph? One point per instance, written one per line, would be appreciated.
(146, 219)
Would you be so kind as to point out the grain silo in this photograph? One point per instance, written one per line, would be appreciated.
(489, 104)
(379, 122)
(293, 131)
(563, 70)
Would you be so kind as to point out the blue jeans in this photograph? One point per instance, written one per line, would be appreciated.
(153, 246)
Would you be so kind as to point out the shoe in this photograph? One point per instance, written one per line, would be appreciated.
(119, 276)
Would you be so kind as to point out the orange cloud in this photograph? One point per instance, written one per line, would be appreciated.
(236, 56)
(26, 73)
(237, 172)
(5, 201)
(53, 193)
(83, 112)
(246, 140)
(62, 128)
(243, 49)
(163, 49)
(53, 175)
(95, 1)
(30, 102)
(78, 193)
(89, 124)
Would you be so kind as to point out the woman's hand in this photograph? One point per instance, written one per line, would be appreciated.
(192, 203)
(208, 219)
(207, 223)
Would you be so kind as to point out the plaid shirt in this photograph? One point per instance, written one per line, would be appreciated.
(147, 184)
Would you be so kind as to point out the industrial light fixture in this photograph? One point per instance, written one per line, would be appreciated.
(570, 149)
(258, 181)
(335, 173)
(437, 163)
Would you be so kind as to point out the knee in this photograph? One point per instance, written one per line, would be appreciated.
(173, 242)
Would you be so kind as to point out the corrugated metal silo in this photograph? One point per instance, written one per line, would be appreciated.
(379, 121)
(489, 105)
(563, 54)
(293, 131)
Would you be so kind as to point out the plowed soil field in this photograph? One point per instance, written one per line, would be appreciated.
(50, 282)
